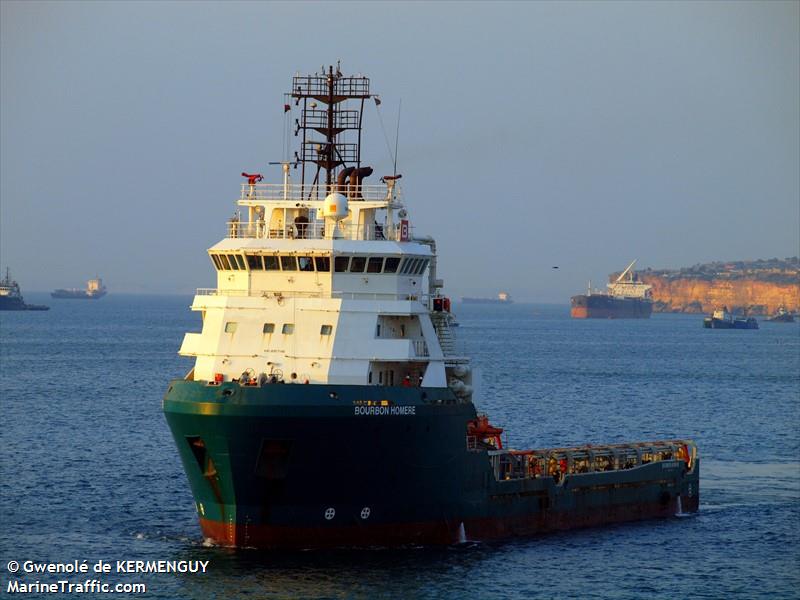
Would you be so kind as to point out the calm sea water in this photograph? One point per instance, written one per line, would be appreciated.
(89, 470)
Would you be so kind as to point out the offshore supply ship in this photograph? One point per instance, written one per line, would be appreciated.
(11, 296)
(627, 298)
(94, 290)
(328, 406)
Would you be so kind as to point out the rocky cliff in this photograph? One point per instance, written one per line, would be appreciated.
(752, 287)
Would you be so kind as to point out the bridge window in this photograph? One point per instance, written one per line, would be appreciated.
(357, 264)
(239, 261)
(271, 263)
(269, 327)
(288, 328)
(288, 263)
(254, 262)
(326, 330)
(223, 260)
(390, 266)
(340, 263)
(216, 261)
(230, 327)
(423, 262)
(232, 262)
(406, 266)
(375, 264)
(323, 263)
(306, 263)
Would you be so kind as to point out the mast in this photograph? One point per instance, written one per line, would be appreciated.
(332, 89)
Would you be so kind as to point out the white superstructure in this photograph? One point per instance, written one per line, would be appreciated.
(627, 285)
(322, 282)
(302, 297)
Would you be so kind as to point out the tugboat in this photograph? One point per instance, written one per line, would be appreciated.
(11, 297)
(781, 316)
(328, 406)
(94, 290)
(722, 319)
(627, 298)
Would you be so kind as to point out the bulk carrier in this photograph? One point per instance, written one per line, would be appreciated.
(94, 291)
(627, 298)
(328, 405)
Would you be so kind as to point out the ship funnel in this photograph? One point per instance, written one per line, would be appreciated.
(355, 181)
(341, 186)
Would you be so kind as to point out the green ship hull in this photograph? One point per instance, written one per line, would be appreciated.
(307, 466)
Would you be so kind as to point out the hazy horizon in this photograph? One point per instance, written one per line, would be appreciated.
(581, 135)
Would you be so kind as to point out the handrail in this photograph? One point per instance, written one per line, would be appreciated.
(339, 295)
(317, 192)
(315, 230)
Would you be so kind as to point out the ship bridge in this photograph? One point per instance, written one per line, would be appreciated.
(323, 281)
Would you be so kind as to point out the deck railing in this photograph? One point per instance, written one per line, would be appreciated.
(298, 192)
(303, 294)
(315, 230)
(420, 348)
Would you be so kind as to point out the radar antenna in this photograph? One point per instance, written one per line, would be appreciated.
(332, 89)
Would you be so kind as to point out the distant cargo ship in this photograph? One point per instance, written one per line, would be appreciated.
(94, 290)
(627, 298)
(11, 298)
(502, 298)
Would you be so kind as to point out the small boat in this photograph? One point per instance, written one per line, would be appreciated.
(781, 316)
(722, 319)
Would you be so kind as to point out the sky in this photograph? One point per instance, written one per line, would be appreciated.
(532, 135)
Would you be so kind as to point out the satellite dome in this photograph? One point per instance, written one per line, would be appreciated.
(335, 206)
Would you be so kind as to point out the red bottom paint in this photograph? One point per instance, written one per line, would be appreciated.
(432, 533)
